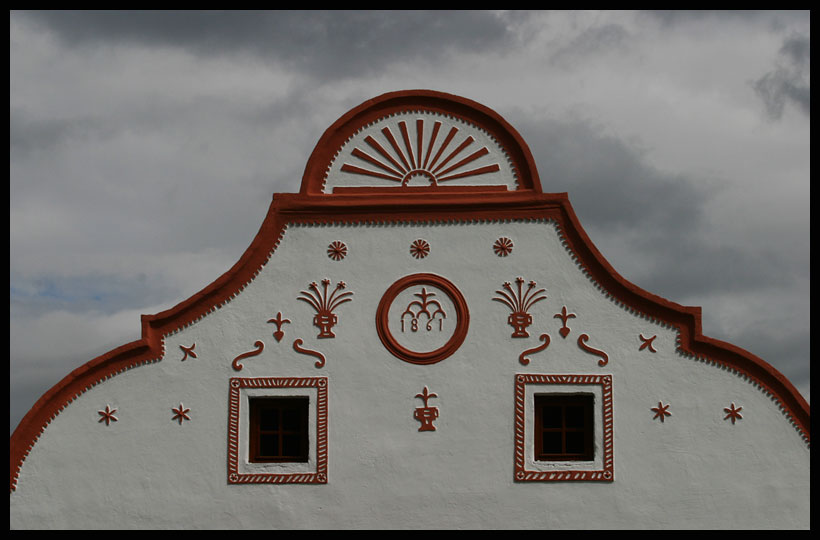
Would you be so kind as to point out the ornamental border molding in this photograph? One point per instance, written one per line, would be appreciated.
(236, 384)
(606, 473)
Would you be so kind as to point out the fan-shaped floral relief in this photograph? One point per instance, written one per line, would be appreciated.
(503, 246)
(419, 249)
(337, 250)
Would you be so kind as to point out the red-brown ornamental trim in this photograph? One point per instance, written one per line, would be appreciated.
(370, 111)
(462, 318)
(317, 476)
(458, 204)
(606, 471)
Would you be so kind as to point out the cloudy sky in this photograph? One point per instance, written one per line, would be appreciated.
(144, 149)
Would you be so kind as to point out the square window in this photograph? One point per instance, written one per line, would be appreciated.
(277, 430)
(563, 428)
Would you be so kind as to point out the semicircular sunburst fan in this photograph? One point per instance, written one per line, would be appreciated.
(417, 158)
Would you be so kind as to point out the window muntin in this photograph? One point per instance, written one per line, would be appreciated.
(564, 427)
(278, 429)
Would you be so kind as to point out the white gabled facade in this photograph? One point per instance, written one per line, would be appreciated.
(422, 308)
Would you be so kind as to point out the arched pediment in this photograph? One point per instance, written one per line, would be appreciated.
(419, 140)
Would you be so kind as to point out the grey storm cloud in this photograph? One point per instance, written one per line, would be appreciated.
(144, 148)
(603, 39)
(615, 191)
(605, 176)
(325, 44)
(789, 81)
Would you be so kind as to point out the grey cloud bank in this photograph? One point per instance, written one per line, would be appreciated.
(144, 149)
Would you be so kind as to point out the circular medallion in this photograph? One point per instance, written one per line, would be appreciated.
(422, 318)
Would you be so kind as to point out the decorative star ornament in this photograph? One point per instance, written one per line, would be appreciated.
(181, 414)
(661, 411)
(107, 415)
(733, 413)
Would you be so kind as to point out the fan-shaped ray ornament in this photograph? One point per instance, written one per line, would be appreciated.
(411, 154)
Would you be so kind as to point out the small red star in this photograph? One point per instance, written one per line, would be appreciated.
(419, 249)
(181, 414)
(660, 411)
(107, 415)
(734, 414)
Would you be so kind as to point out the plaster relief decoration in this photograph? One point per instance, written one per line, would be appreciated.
(410, 150)
(520, 301)
(259, 347)
(426, 414)
(315, 469)
(523, 358)
(107, 415)
(503, 246)
(424, 305)
(527, 467)
(647, 343)
(420, 249)
(564, 316)
(189, 351)
(297, 346)
(582, 343)
(325, 304)
(181, 413)
(661, 411)
(279, 321)
(733, 413)
(337, 250)
(422, 318)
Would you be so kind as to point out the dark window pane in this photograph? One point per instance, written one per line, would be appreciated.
(269, 445)
(574, 417)
(551, 442)
(290, 445)
(564, 427)
(291, 419)
(269, 419)
(278, 429)
(575, 442)
(551, 417)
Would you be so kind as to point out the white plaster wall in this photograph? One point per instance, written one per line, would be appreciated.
(695, 470)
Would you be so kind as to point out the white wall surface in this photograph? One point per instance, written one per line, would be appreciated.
(695, 470)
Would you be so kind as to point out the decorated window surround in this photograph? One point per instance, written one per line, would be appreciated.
(458, 204)
(526, 467)
(241, 470)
